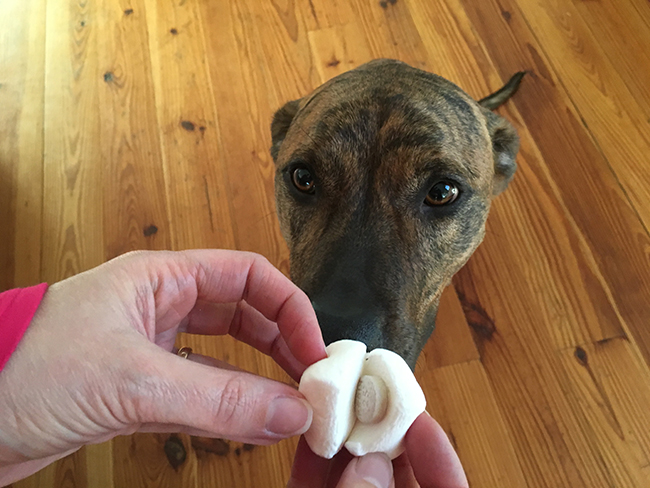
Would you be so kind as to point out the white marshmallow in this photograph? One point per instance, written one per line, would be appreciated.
(367, 401)
(330, 386)
(405, 402)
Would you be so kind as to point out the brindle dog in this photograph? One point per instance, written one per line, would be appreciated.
(384, 179)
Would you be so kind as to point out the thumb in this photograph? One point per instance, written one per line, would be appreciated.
(373, 470)
(172, 391)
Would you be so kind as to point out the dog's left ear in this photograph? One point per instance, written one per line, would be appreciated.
(280, 125)
(505, 144)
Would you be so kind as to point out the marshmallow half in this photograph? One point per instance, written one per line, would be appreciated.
(405, 402)
(330, 386)
(378, 388)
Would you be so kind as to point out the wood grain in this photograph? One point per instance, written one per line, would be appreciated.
(613, 407)
(451, 341)
(134, 190)
(72, 184)
(621, 34)
(615, 117)
(579, 174)
(338, 49)
(186, 118)
(136, 124)
(22, 50)
(461, 399)
(243, 119)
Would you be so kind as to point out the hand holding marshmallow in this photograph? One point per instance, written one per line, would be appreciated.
(365, 401)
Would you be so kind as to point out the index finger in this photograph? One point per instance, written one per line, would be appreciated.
(231, 276)
(433, 459)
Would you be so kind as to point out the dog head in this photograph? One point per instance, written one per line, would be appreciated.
(384, 179)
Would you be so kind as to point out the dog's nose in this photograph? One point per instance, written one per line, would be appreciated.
(363, 327)
(347, 310)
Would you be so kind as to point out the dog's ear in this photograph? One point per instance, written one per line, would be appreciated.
(505, 145)
(280, 125)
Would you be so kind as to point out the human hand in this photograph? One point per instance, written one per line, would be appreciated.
(428, 462)
(95, 362)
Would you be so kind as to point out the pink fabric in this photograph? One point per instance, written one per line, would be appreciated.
(17, 308)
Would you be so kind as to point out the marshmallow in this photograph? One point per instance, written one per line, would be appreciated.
(330, 386)
(405, 402)
(366, 402)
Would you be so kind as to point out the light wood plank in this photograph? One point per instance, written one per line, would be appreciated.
(43, 479)
(451, 341)
(642, 9)
(22, 51)
(610, 388)
(553, 442)
(325, 14)
(242, 121)
(581, 178)
(135, 215)
(615, 117)
(461, 399)
(141, 460)
(391, 32)
(621, 34)
(338, 49)
(280, 49)
(186, 117)
(73, 181)
(100, 466)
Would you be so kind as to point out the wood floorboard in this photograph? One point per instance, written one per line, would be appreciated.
(138, 124)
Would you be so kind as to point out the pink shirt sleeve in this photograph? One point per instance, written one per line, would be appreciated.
(17, 308)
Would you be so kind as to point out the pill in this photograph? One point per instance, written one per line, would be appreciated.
(371, 399)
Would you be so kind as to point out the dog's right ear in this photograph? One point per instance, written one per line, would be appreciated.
(280, 125)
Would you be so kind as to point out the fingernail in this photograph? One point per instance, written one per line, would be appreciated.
(375, 468)
(288, 416)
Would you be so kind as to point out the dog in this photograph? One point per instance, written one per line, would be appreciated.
(384, 179)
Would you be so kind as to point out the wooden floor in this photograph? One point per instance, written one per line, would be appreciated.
(142, 124)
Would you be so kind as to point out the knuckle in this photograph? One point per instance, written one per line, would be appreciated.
(232, 402)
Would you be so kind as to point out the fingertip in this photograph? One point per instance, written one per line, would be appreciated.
(372, 470)
(289, 416)
(309, 470)
(434, 461)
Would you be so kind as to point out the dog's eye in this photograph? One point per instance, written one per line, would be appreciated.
(442, 193)
(302, 179)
